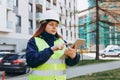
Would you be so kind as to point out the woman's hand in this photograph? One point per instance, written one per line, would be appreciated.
(58, 47)
(70, 52)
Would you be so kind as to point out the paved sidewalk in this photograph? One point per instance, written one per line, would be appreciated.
(82, 70)
(89, 69)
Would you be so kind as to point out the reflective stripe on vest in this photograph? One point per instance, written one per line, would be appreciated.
(55, 61)
(54, 68)
(48, 73)
(36, 77)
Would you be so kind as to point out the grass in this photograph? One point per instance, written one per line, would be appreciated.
(106, 75)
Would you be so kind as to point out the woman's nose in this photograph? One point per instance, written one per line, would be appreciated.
(54, 26)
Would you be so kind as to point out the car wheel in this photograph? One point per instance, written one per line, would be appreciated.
(103, 55)
(27, 70)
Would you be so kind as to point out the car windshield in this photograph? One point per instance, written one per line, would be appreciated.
(10, 57)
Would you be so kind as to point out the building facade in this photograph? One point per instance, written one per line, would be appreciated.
(19, 19)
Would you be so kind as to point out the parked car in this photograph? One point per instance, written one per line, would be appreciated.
(110, 50)
(14, 63)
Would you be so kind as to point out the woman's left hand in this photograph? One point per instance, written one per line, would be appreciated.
(70, 52)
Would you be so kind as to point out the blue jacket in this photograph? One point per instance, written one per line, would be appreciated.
(35, 58)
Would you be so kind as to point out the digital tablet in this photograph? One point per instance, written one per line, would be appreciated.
(78, 44)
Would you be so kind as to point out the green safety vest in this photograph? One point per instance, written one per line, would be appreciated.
(54, 68)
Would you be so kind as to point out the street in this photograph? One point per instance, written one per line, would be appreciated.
(92, 56)
(9, 76)
(73, 71)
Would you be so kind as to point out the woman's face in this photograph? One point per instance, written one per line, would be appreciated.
(51, 27)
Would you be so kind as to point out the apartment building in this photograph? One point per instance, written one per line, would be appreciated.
(19, 19)
(69, 20)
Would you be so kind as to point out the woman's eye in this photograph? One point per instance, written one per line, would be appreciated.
(51, 24)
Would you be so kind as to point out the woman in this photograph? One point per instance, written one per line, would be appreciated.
(46, 50)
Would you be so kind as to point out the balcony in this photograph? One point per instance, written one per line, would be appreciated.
(30, 15)
(8, 28)
(39, 1)
(18, 29)
(10, 4)
(54, 7)
(38, 15)
(30, 31)
(31, 1)
(10, 25)
(48, 5)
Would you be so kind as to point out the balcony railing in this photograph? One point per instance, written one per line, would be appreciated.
(39, 1)
(10, 25)
(18, 29)
(54, 7)
(38, 15)
(48, 4)
(8, 28)
(30, 31)
(10, 4)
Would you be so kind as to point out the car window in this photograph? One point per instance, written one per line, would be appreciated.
(117, 49)
(1, 55)
(10, 57)
(111, 50)
(22, 56)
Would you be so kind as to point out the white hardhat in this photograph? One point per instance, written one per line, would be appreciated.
(50, 15)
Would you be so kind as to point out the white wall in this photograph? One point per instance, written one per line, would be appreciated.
(2, 14)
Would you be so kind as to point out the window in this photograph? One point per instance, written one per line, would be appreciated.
(0, 1)
(16, 3)
(111, 50)
(61, 31)
(60, 18)
(18, 21)
(65, 23)
(71, 34)
(30, 24)
(66, 32)
(74, 35)
(54, 2)
(48, 0)
(30, 7)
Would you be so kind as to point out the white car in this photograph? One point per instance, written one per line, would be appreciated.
(111, 50)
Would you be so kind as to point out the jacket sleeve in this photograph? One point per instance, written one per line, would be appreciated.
(71, 62)
(34, 57)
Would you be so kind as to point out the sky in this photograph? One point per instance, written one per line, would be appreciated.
(82, 4)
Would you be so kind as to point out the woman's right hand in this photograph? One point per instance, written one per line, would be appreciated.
(58, 47)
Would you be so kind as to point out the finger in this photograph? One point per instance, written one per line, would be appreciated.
(60, 48)
(69, 48)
